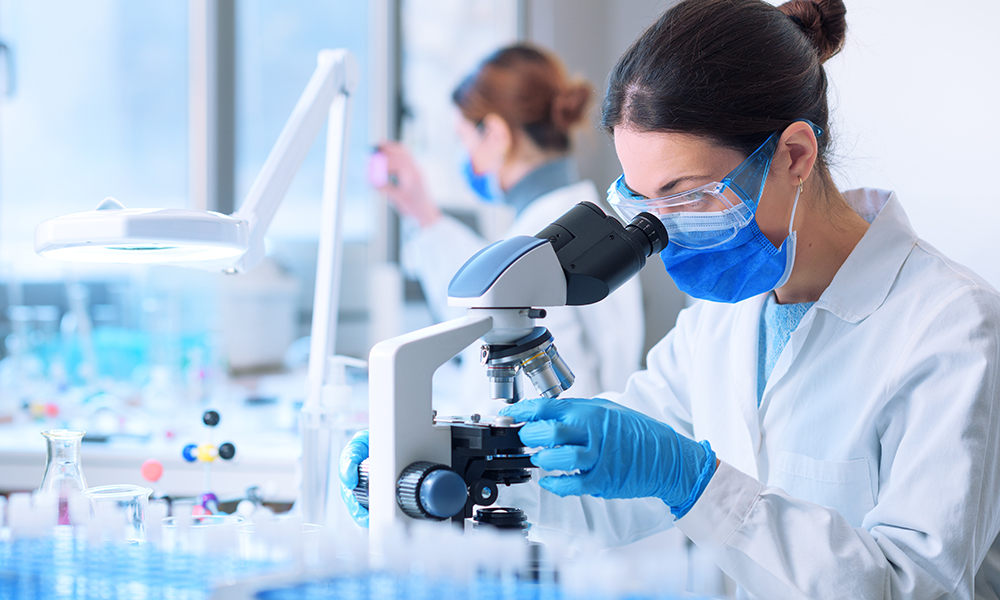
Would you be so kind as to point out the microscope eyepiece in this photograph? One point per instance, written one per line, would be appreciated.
(648, 231)
(597, 253)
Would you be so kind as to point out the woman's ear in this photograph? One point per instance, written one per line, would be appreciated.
(797, 152)
(497, 142)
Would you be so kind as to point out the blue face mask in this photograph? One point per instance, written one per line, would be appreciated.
(741, 268)
(486, 186)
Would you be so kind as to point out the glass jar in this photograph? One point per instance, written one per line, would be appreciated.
(63, 474)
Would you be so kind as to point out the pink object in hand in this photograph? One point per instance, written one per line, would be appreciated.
(151, 470)
(378, 169)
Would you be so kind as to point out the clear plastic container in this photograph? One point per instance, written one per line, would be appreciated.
(216, 535)
(124, 506)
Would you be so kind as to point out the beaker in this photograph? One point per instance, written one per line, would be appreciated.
(63, 474)
(122, 505)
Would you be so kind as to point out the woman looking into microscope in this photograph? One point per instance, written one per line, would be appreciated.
(840, 372)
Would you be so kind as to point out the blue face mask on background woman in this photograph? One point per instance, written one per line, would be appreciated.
(486, 186)
(716, 250)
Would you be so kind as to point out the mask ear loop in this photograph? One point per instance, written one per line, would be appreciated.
(791, 240)
(795, 205)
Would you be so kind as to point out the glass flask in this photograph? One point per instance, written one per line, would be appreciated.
(63, 474)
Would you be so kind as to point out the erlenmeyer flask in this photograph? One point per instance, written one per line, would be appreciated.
(63, 474)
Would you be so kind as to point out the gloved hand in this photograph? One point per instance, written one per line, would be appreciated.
(352, 455)
(619, 453)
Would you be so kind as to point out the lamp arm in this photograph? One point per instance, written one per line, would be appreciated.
(326, 297)
(319, 415)
(335, 76)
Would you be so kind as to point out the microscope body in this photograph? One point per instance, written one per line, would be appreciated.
(424, 468)
(406, 441)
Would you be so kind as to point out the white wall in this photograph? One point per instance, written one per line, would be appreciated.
(915, 99)
(590, 36)
(915, 106)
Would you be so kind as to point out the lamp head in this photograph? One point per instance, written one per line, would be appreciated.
(112, 233)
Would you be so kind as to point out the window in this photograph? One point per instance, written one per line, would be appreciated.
(276, 48)
(432, 30)
(98, 108)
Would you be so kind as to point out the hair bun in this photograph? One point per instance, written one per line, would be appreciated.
(569, 104)
(823, 21)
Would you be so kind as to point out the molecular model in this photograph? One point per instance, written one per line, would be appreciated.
(206, 453)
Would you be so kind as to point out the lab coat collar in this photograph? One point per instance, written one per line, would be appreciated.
(548, 177)
(863, 281)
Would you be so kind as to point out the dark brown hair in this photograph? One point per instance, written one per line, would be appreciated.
(732, 70)
(529, 89)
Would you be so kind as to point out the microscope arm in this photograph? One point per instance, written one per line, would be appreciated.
(401, 413)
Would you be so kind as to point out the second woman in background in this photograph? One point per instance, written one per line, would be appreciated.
(517, 110)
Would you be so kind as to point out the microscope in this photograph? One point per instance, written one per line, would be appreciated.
(425, 468)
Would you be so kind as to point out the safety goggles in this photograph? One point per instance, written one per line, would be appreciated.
(711, 214)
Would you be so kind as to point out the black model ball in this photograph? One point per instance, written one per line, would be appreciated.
(227, 451)
(210, 418)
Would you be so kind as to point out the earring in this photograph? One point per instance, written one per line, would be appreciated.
(800, 185)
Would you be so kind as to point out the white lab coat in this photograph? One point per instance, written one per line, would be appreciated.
(602, 343)
(871, 468)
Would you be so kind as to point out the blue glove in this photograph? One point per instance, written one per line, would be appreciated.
(355, 452)
(618, 452)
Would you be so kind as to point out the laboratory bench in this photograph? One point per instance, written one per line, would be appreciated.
(267, 460)
(260, 419)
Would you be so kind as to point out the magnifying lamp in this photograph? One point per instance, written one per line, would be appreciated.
(113, 233)
(235, 243)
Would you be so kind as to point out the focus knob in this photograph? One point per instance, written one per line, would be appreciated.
(427, 490)
(361, 490)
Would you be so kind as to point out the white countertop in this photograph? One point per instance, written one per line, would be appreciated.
(267, 460)
(267, 447)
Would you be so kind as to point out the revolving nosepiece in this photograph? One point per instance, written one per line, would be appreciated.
(537, 356)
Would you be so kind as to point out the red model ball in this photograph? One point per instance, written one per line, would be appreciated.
(152, 470)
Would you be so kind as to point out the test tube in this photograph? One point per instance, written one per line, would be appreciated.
(154, 522)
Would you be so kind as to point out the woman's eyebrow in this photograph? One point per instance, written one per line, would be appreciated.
(666, 188)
